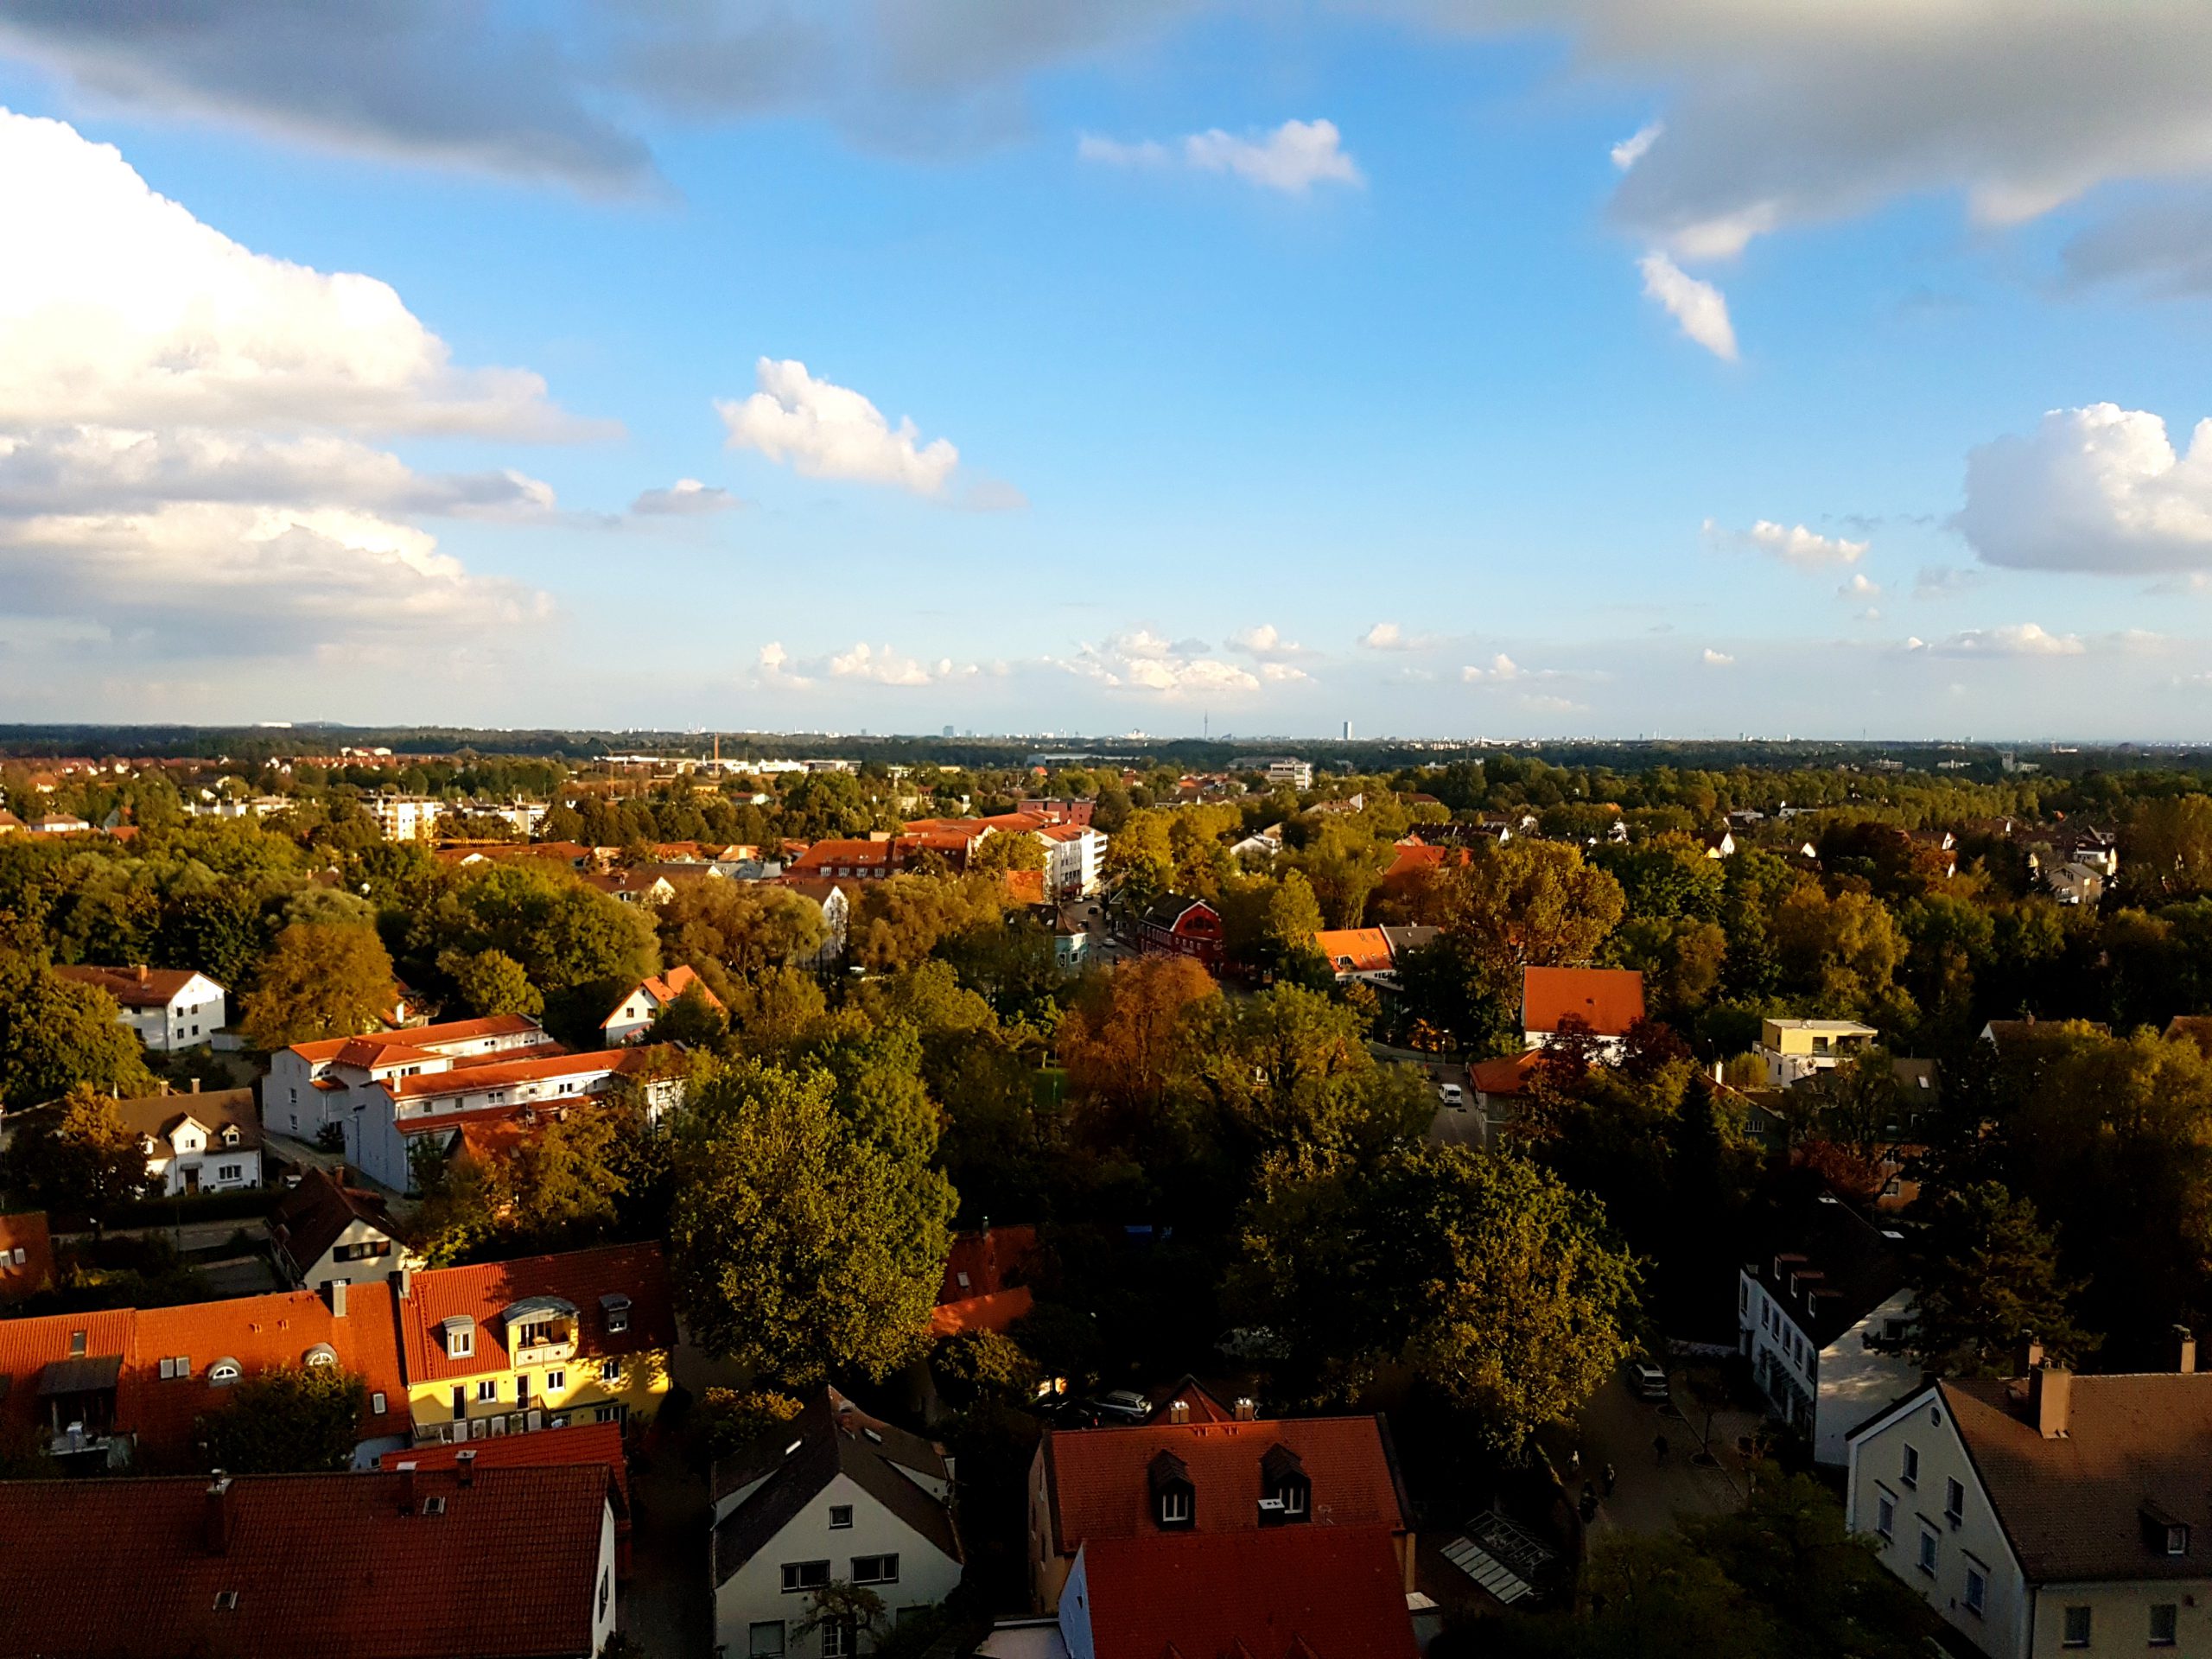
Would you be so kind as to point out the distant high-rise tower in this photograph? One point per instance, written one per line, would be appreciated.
(948, 731)
(1347, 731)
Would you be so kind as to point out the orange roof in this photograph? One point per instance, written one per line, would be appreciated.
(976, 1295)
(1609, 1000)
(1355, 950)
(1303, 1592)
(1507, 1076)
(27, 1233)
(29, 1346)
(1414, 856)
(134, 988)
(856, 854)
(453, 1030)
(997, 1311)
(664, 988)
(497, 1072)
(580, 1277)
(1064, 831)
(1097, 1486)
(259, 1333)
(599, 1443)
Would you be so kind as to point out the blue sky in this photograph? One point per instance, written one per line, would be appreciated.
(1381, 421)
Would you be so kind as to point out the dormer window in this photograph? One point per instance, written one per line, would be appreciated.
(229, 1134)
(2163, 1530)
(460, 1337)
(1286, 1490)
(1175, 1500)
(614, 1307)
(223, 1372)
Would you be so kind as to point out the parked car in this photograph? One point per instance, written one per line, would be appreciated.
(1120, 1405)
(1451, 1095)
(1647, 1380)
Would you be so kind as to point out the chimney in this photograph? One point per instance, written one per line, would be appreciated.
(2185, 1347)
(218, 1515)
(195, 1085)
(338, 1298)
(407, 1488)
(141, 971)
(2029, 1357)
(1179, 1411)
(1245, 1410)
(464, 1465)
(2050, 1389)
(161, 1085)
(404, 1281)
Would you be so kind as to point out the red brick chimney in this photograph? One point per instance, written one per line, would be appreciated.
(464, 1465)
(407, 1488)
(218, 1515)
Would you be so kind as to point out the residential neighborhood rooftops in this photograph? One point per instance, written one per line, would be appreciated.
(216, 1110)
(1830, 1268)
(579, 1443)
(979, 1291)
(314, 1214)
(421, 1036)
(482, 1295)
(134, 988)
(1355, 950)
(1608, 999)
(177, 1566)
(497, 1070)
(1289, 1592)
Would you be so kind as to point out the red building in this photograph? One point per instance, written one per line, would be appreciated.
(1182, 927)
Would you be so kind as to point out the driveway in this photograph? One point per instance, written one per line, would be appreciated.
(1619, 1429)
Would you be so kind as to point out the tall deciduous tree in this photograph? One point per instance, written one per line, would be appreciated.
(288, 1419)
(1988, 1279)
(744, 925)
(802, 1244)
(56, 1033)
(491, 981)
(1126, 1034)
(320, 981)
(80, 1158)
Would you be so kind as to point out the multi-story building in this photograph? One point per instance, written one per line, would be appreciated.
(1795, 1050)
(2049, 1514)
(404, 817)
(1822, 1319)
(1074, 854)
(1182, 927)
(1281, 770)
(170, 1008)
(323, 1230)
(310, 1085)
(197, 1143)
(507, 1347)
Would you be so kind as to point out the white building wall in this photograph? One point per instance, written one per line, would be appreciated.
(212, 1162)
(1075, 1612)
(1910, 1461)
(605, 1603)
(1836, 1388)
(755, 1594)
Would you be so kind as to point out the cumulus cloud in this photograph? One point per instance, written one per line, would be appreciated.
(1145, 661)
(1633, 149)
(181, 424)
(1266, 644)
(1860, 586)
(884, 666)
(825, 431)
(686, 497)
(1795, 545)
(1291, 158)
(1712, 658)
(1698, 308)
(2098, 489)
(1499, 669)
(773, 666)
(2018, 639)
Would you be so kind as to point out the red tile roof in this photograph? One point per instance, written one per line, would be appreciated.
(579, 1443)
(1413, 856)
(96, 1568)
(497, 1071)
(826, 856)
(1302, 1591)
(421, 1036)
(582, 1277)
(134, 988)
(260, 1333)
(976, 1293)
(27, 1233)
(664, 988)
(1508, 1075)
(1609, 999)
(1355, 950)
(29, 1346)
(1097, 1488)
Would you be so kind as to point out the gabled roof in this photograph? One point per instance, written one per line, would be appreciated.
(831, 1437)
(215, 1110)
(134, 987)
(1095, 1480)
(1829, 1266)
(661, 990)
(314, 1214)
(1355, 950)
(94, 1568)
(1167, 914)
(1507, 1076)
(1609, 1000)
(29, 1346)
(498, 1072)
(579, 1444)
(2073, 1507)
(482, 1292)
(978, 1293)
(428, 1038)
(26, 1232)
(1301, 1592)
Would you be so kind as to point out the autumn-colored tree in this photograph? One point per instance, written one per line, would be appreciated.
(902, 919)
(744, 925)
(320, 981)
(79, 1157)
(1129, 1030)
(288, 1419)
(999, 854)
(1528, 904)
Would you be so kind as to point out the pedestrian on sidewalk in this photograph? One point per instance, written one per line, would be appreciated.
(1659, 1446)
(1609, 1476)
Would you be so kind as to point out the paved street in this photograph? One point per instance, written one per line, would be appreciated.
(1618, 1428)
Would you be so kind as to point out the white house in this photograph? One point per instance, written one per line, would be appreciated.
(195, 1143)
(323, 1230)
(1074, 853)
(633, 1016)
(309, 1085)
(404, 817)
(834, 1497)
(1299, 774)
(2048, 1514)
(832, 899)
(170, 1008)
(1822, 1319)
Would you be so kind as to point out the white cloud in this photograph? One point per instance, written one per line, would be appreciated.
(685, 498)
(1633, 149)
(1860, 586)
(1266, 644)
(1545, 703)
(1385, 636)
(1147, 662)
(1500, 668)
(1698, 308)
(2098, 489)
(1794, 545)
(2018, 639)
(181, 460)
(884, 666)
(826, 431)
(1291, 158)
(774, 666)
(1712, 658)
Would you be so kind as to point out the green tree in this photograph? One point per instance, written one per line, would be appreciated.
(999, 854)
(491, 981)
(1527, 903)
(1988, 1279)
(744, 925)
(319, 981)
(288, 1419)
(55, 1033)
(799, 1247)
(79, 1157)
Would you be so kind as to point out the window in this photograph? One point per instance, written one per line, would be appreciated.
(460, 1337)
(841, 1515)
(1175, 1506)
(1927, 1550)
(2165, 1624)
(875, 1569)
(1885, 1514)
(610, 1371)
(1977, 1589)
(805, 1575)
(1954, 1501)
(766, 1640)
(228, 1172)
(840, 1639)
(556, 1381)
(223, 1372)
(226, 1601)
(1911, 1474)
(376, 1403)
(2077, 1628)
(614, 1414)
(1294, 1494)
(488, 1388)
